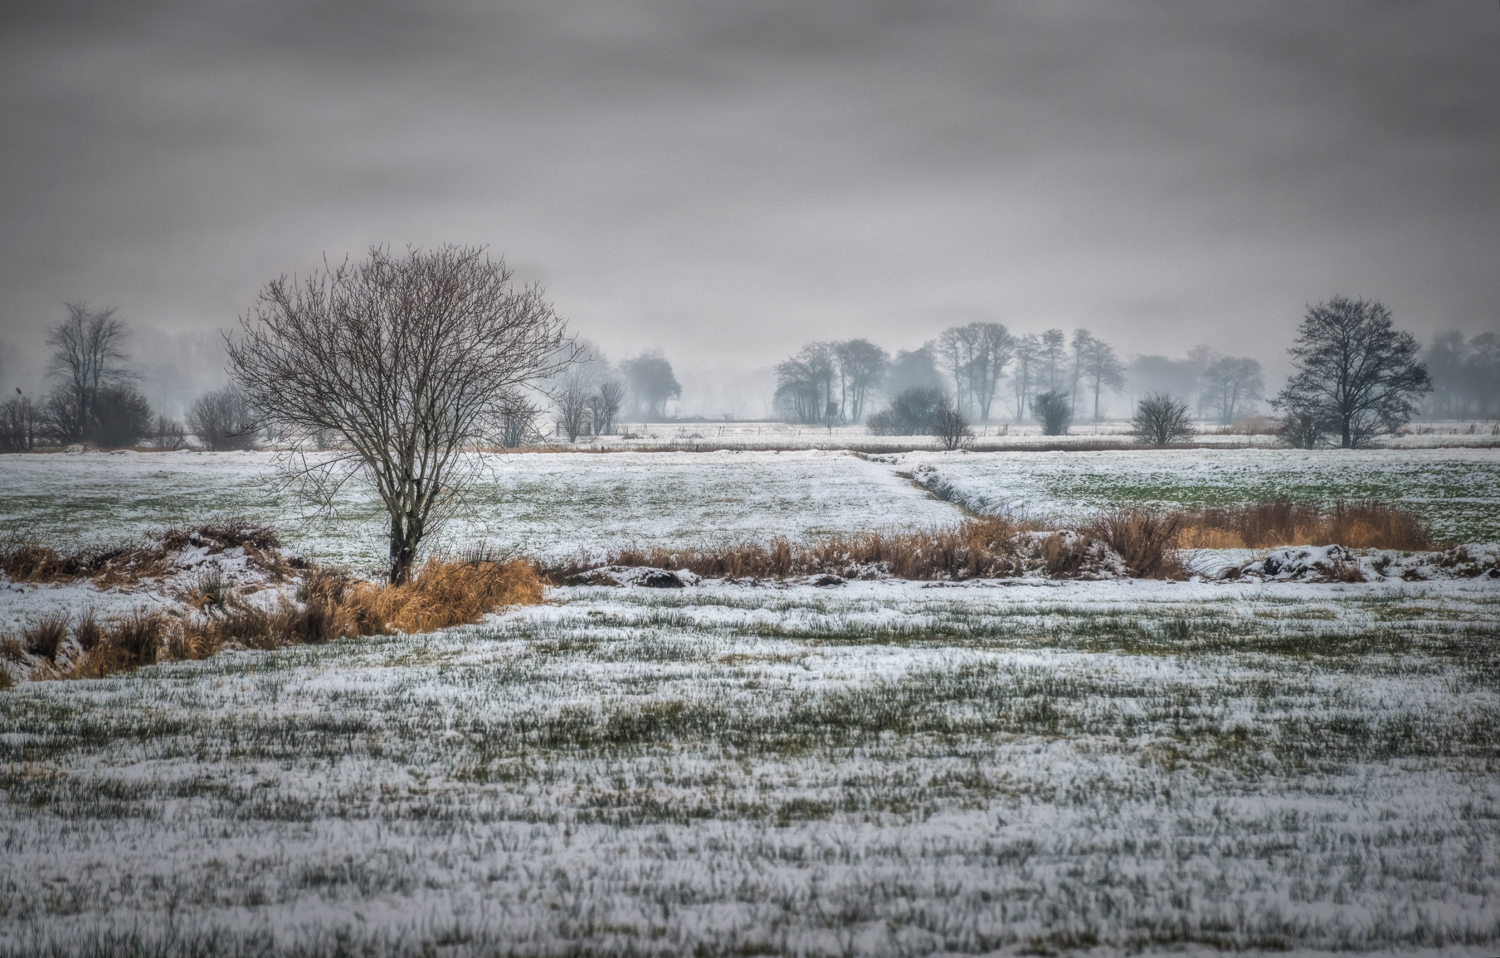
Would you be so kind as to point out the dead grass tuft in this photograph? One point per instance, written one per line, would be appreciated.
(1364, 524)
(126, 645)
(44, 637)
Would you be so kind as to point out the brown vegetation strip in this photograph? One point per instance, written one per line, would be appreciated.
(331, 605)
(989, 547)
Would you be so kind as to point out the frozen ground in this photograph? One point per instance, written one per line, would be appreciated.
(1457, 490)
(876, 768)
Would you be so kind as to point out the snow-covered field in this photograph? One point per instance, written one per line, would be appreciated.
(558, 505)
(1457, 490)
(878, 768)
(550, 505)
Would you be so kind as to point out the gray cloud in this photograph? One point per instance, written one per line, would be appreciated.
(727, 180)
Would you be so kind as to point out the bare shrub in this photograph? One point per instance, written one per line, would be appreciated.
(1161, 420)
(1054, 410)
(1146, 540)
(951, 428)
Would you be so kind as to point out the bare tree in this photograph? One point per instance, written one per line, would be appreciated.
(1354, 370)
(862, 366)
(1097, 365)
(222, 420)
(168, 433)
(976, 355)
(411, 359)
(20, 423)
(1053, 410)
(88, 355)
(1028, 347)
(1052, 364)
(517, 422)
(571, 397)
(1161, 420)
(1231, 388)
(804, 384)
(604, 406)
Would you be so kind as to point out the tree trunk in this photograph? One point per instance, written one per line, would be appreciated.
(404, 538)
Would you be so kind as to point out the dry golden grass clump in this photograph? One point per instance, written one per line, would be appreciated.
(1355, 525)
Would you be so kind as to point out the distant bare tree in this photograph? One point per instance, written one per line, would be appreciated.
(1354, 370)
(1231, 388)
(20, 424)
(1053, 410)
(1161, 420)
(804, 385)
(1052, 366)
(1097, 365)
(976, 355)
(517, 426)
(571, 397)
(861, 365)
(604, 405)
(88, 356)
(222, 420)
(168, 433)
(1027, 349)
(412, 359)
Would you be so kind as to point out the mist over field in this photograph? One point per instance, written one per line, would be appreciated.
(726, 182)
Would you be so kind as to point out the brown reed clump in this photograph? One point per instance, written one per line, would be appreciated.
(123, 646)
(44, 637)
(1363, 524)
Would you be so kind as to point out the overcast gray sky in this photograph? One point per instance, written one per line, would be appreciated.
(727, 180)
